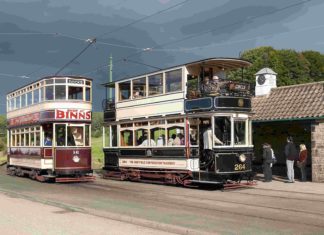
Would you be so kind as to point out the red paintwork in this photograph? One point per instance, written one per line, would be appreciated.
(64, 158)
(47, 153)
(23, 120)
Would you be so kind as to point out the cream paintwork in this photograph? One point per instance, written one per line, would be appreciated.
(32, 163)
(49, 105)
(183, 164)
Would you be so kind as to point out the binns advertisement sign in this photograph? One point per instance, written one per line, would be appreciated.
(72, 114)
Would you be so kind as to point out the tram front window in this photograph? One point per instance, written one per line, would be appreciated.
(222, 129)
(239, 132)
(60, 135)
(75, 136)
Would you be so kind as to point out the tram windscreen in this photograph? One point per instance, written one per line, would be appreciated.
(75, 136)
(222, 129)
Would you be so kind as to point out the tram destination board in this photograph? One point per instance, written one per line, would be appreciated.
(232, 103)
(201, 104)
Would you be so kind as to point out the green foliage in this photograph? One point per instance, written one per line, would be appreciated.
(291, 66)
(97, 124)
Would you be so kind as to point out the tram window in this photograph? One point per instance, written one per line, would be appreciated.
(87, 135)
(75, 136)
(36, 96)
(139, 136)
(107, 136)
(60, 92)
(12, 104)
(155, 84)
(41, 94)
(193, 131)
(27, 137)
(49, 81)
(49, 93)
(139, 88)
(178, 120)
(126, 138)
(157, 122)
(22, 139)
(88, 93)
(222, 129)
(13, 139)
(32, 139)
(60, 80)
(48, 134)
(29, 98)
(17, 100)
(23, 100)
(239, 132)
(75, 93)
(60, 134)
(141, 124)
(158, 135)
(88, 83)
(124, 90)
(176, 136)
(173, 81)
(37, 135)
(114, 136)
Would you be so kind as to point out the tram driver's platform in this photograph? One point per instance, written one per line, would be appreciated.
(278, 183)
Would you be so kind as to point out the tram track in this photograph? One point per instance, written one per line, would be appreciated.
(192, 207)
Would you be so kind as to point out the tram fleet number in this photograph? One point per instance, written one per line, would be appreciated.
(239, 167)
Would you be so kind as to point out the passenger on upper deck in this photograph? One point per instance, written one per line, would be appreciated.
(137, 94)
(205, 87)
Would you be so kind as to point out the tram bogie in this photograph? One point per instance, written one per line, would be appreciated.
(49, 130)
(180, 125)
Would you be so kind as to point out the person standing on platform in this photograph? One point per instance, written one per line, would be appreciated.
(291, 155)
(267, 162)
(301, 163)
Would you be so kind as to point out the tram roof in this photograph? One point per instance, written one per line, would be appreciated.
(221, 62)
(49, 77)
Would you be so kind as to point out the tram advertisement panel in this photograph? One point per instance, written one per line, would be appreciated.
(73, 114)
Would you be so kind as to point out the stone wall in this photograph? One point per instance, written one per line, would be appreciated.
(318, 151)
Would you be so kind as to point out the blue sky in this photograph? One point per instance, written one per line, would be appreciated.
(37, 37)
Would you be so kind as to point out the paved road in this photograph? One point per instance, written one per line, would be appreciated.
(269, 208)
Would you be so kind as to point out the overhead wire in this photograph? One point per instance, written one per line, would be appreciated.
(201, 33)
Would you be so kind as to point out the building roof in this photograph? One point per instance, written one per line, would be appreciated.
(266, 71)
(290, 102)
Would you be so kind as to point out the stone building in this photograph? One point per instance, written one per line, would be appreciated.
(297, 111)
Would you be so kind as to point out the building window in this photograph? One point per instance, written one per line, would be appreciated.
(124, 90)
(173, 81)
(155, 84)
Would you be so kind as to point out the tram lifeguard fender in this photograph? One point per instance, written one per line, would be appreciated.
(72, 114)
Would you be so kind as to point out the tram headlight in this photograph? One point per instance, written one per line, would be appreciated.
(242, 158)
(76, 159)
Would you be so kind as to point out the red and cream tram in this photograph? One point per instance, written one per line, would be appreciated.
(181, 125)
(49, 129)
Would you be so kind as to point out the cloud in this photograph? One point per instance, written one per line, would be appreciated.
(5, 48)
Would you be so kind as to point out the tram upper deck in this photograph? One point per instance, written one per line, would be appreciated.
(50, 98)
(200, 85)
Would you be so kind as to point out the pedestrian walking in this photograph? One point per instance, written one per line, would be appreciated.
(291, 155)
(267, 162)
(301, 163)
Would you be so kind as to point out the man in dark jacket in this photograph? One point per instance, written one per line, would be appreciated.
(267, 161)
(291, 155)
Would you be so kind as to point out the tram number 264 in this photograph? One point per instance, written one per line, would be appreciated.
(239, 167)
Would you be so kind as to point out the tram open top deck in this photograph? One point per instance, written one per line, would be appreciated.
(179, 90)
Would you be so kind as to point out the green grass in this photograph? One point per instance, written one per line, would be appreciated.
(97, 153)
